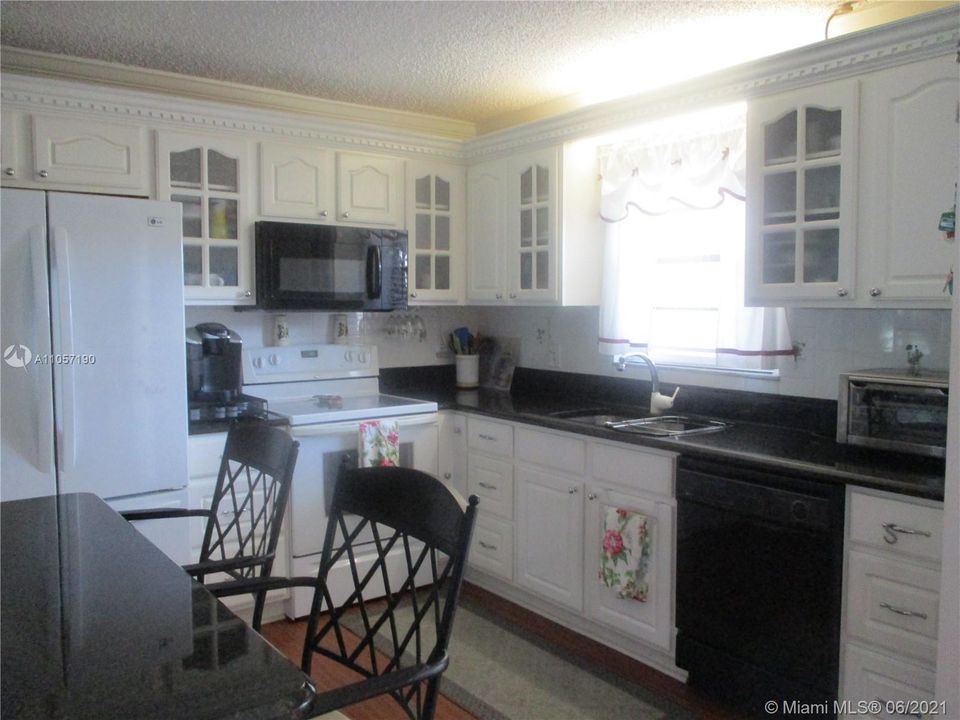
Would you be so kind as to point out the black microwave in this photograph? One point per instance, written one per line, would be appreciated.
(324, 267)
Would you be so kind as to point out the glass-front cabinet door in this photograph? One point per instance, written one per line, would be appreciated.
(801, 195)
(436, 219)
(532, 252)
(208, 177)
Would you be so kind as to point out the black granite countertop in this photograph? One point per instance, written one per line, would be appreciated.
(791, 435)
(98, 623)
(206, 427)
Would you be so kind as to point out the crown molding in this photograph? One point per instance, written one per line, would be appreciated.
(31, 93)
(51, 65)
(917, 38)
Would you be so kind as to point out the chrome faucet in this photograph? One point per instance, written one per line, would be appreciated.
(658, 402)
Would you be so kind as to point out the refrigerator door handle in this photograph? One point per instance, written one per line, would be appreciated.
(64, 385)
(44, 415)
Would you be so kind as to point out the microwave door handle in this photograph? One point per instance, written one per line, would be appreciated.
(374, 272)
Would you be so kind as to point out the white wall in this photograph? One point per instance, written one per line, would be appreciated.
(833, 341)
(256, 329)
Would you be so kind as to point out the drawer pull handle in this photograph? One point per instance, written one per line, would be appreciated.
(592, 496)
(902, 611)
(491, 438)
(891, 530)
(487, 486)
(457, 431)
(572, 490)
(486, 546)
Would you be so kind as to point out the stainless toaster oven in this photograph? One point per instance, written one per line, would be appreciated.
(894, 410)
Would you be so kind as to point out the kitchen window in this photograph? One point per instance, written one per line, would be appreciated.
(674, 206)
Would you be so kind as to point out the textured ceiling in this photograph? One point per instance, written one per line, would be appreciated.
(466, 60)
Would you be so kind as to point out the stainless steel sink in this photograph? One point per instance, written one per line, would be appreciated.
(654, 425)
(666, 425)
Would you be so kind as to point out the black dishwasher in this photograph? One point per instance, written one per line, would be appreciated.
(759, 571)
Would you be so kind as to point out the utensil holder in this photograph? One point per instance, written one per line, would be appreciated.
(468, 371)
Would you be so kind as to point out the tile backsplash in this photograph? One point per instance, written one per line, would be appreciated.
(832, 341)
(398, 346)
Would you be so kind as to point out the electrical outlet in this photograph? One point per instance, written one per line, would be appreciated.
(553, 356)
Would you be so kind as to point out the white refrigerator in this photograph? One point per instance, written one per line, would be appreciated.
(93, 393)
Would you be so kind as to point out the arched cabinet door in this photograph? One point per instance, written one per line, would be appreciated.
(210, 177)
(802, 195)
(436, 217)
(369, 190)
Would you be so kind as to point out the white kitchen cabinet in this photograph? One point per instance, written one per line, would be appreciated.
(369, 190)
(534, 234)
(204, 453)
(452, 458)
(486, 231)
(91, 154)
(436, 225)
(296, 181)
(652, 619)
(549, 535)
(908, 170)
(11, 141)
(209, 175)
(891, 589)
(74, 153)
(802, 153)
(491, 548)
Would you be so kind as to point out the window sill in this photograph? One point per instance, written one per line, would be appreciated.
(768, 375)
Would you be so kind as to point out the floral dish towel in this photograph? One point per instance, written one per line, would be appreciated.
(379, 443)
(625, 555)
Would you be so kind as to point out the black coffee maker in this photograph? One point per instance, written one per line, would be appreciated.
(215, 373)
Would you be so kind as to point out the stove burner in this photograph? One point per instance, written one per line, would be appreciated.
(329, 401)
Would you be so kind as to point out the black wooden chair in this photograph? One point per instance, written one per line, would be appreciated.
(393, 529)
(246, 511)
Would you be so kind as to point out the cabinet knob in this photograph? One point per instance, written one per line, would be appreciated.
(572, 490)
(346, 215)
(413, 295)
(43, 173)
(447, 476)
(513, 296)
(592, 496)
(499, 296)
(457, 431)
(9, 172)
(323, 213)
(842, 292)
(248, 293)
(875, 292)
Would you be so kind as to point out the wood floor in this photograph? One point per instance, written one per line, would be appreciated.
(288, 638)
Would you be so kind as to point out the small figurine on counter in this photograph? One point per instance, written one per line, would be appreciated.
(913, 358)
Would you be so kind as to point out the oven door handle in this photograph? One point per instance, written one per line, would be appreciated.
(353, 426)
(915, 388)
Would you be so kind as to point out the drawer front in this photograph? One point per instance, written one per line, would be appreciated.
(204, 453)
(564, 453)
(896, 526)
(871, 676)
(893, 605)
(646, 471)
(491, 549)
(491, 437)
(491, 480)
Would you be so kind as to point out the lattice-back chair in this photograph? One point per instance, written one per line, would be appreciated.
(246, 510)
(389, 530)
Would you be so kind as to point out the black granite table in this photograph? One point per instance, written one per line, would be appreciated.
(98, 623)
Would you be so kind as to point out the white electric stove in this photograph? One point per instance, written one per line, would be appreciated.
(324, 391)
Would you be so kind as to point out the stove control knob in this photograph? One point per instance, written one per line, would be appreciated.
(348, 356)
(274, 359)
(258, 362)
(362, 357)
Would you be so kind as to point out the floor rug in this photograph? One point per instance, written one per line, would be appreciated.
(500, 671)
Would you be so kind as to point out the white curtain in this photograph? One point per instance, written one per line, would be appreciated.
(674, 249)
